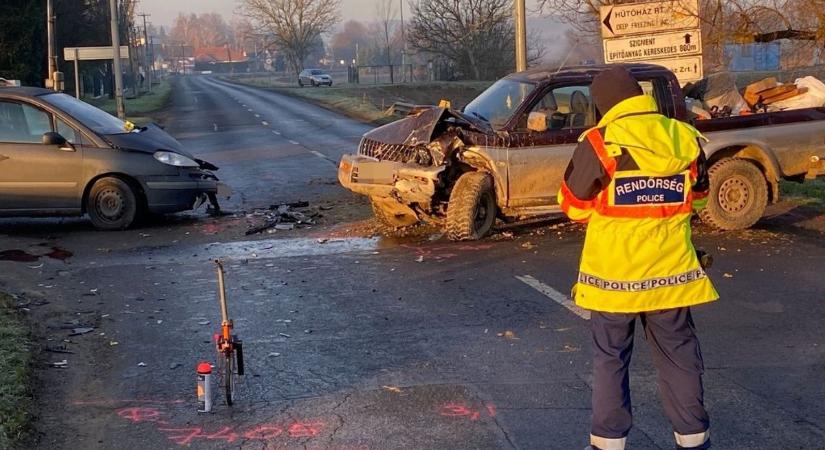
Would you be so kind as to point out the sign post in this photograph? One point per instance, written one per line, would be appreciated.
(665, 32)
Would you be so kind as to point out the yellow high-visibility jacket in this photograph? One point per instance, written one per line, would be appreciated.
(635, 179)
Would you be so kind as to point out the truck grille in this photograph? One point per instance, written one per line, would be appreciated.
(386, 152)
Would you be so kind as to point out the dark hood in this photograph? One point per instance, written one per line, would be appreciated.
(418, 127)
(151, 139)
(612, 86)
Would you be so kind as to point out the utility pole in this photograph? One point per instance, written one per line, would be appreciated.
(149, 62)
(52, 82)
(521, 35)
(121, 108)
(403, 42)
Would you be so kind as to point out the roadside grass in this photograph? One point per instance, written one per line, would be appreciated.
(370, 103)
(139, 110)
(810, 193)
(15, 376)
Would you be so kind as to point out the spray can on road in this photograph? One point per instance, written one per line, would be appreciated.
(204, 387)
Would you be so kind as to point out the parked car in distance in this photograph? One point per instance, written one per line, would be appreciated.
(314, 77)
(504, 155)
(61, 156)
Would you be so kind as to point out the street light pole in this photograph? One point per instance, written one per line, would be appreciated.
(149, 62)
(121, 108)
(521, 35)
(50, 37)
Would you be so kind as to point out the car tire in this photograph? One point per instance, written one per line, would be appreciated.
(738, 195)
(330, 84)
(312, 82)
(471, 211)
(389, 217)
(111, 204)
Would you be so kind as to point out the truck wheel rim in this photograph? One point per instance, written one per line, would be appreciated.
(109, 205)
(734, 195)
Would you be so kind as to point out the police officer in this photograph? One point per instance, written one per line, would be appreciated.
(635, 179)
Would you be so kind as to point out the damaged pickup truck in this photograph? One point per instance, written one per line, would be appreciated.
(504, 155)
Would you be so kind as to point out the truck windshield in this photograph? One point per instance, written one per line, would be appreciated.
(97, 120)
(497, 104)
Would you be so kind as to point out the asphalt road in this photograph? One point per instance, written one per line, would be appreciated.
(358, 342)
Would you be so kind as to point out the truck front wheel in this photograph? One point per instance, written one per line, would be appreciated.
(471, 212)
(738, 195)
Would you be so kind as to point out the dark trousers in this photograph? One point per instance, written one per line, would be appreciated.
(671, 335)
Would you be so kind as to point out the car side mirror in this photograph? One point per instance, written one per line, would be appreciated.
(537, 121)
(53, 138)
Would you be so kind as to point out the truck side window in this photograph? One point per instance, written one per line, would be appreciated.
(568, 107)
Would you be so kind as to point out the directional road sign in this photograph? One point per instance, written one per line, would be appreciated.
(653, 46)
(652, 17)
(93, 53)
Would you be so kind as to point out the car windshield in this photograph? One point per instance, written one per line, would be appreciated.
(497, 104)
(96, 119)
(317, 72)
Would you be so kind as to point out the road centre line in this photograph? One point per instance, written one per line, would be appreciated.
(554, 295)
(276, 132)
(294, 143)
(257, 115)
(318, 154)
(264, 123)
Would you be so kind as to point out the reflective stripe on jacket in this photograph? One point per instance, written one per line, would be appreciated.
(635, 179)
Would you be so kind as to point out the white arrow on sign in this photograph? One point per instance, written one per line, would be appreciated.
(653, 46)
(651, 17)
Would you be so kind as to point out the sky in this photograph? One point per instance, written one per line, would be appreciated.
(163, 12)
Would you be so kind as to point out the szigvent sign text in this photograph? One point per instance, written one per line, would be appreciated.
(651, 17)
(654, 46)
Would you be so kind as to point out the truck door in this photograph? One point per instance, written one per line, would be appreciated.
(34, 176)
(538, 160)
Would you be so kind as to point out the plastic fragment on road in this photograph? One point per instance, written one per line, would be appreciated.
(394, 389)
(81, 330)
(507, 335)
(274, 355)
(60, 364)
(141, 364)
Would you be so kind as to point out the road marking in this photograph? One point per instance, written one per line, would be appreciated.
(276, 132)
(215, 126)
(294, 143)
(256, 115)
(250, 109)
(318, 154)
(554, 295)
(264, 123)
(245, 106)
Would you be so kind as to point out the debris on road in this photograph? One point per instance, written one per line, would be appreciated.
(284, 335)
(274, 355)
(174, 365)
(80, 331)
(507, 335)
(60, 364)
(394, 389)
(141, 364)
(282, 217)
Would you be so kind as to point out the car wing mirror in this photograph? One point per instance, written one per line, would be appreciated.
(537, 121)
(54, 138)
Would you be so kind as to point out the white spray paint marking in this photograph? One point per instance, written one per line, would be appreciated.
(264, 123)
(215, 127)
(257, 115)
(294, 143)
(250, 110)
(554, 295)
(276, 132)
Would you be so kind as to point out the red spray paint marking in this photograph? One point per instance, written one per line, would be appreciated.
(118, 402)
(459, 410)
(138, 415)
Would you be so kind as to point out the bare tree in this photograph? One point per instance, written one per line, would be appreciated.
(385, 16)
(476, 35)
(294, 26)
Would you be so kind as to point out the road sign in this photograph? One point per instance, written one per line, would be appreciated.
(93, 53)
(686, 69)
(646, 18)
(653, 46)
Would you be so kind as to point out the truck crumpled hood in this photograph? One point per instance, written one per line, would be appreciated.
(418, 127)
